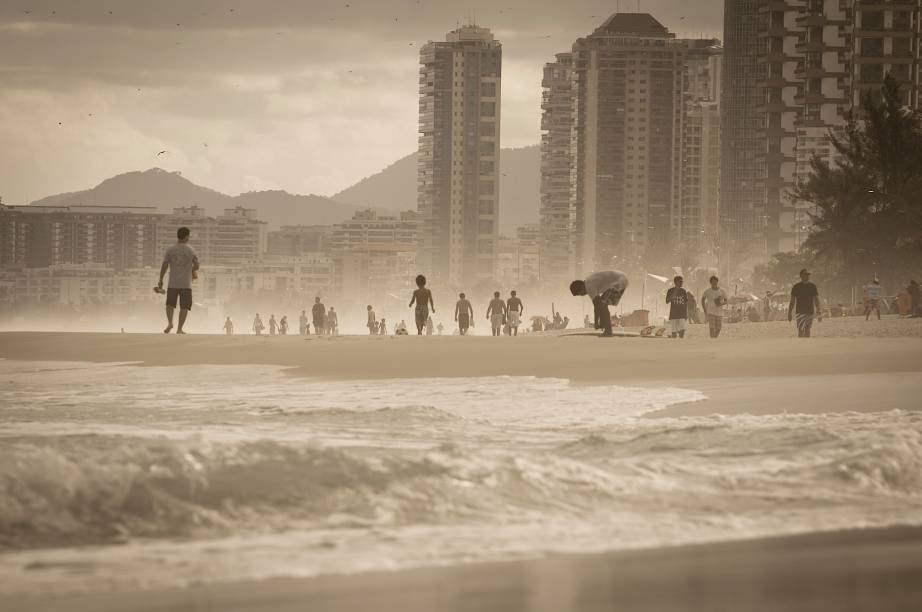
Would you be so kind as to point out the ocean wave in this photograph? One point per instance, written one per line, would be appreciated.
(92, 489)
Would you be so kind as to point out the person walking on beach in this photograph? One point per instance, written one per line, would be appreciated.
(440, 328)
(464, 314)
(514, 311)
(422, 297)
(182, 262)
(677, 298)
(229, 327)
(605, 289)
(429, 326)
(372, 324)
(272, 325)
(915, 299)
(318, 313)
(332, 322)
(713, 302)
(258, 326)
(805, 302)
(304, 326)
(496, 313)
(382, 327)
(283, 325)
(872, 294)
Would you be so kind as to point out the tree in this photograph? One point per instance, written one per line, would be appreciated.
(867, 216)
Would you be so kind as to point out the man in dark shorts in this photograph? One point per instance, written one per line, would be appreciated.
(422, 297)
(514, 310)
(319, 314)
(182, 262)
(805, 301)
(464, 314)
(605, 289)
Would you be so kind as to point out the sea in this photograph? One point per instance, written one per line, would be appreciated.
(122, 477)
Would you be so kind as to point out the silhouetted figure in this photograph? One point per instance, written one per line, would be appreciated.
(677, 298)
(272, 325)
(464, 314)
(713, 302)
(872, 294)
(440, 328)
(182, 262)
(422, 297)
(258, 325)
(332, 322)
(514, 310)
(496, 314)
(805, 301)
(915, 299)
(382, 327)
(283, 325)
(229, 327)
(303, 324)
(429, 326)
(372, 321)
(318, 313)
(604, 289)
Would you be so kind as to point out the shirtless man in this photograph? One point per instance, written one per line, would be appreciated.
(496, 313)
(464, 314)
(422, 297)
(514, 310)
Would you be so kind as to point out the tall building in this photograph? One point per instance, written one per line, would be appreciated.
(627, 132)
(742, 197)
(697, 224)
(556, 246)
(116, 237)
(458, 177)
(815, 59)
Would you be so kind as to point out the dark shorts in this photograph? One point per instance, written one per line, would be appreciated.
(464, 321)
(422, 315)
(183, 295)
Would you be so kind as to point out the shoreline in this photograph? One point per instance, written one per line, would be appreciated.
(876, 569)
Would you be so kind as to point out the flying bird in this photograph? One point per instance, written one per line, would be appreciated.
(161, 153)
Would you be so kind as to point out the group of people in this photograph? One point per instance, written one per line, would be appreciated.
(325, 322)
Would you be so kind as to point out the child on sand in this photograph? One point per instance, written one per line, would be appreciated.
(422, 297)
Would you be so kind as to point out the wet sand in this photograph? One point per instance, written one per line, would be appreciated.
(861, 570)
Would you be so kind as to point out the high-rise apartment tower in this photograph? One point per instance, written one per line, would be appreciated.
(458, 176)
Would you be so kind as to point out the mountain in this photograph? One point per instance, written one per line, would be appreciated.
(167, 190)
(394, 187)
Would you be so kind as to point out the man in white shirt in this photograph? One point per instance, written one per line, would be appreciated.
(713, 301)
(604, 289)
(182, 262)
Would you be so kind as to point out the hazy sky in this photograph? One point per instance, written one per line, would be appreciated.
(304, 95)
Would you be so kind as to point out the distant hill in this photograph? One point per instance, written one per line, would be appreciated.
(394, 187)
(167, 190)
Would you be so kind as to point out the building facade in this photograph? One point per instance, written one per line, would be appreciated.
(458, 175)
(117, 237)
(375, 255)
(696, 227)
(627, 130)
(742, 198)
(297, 240)
(557, 245)
(235, 238)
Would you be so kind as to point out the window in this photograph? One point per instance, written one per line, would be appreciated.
(872, 20)
(486, 188)
(488, 90)
(488, 109)
(487, 128)
(872, 47)
(872, 72)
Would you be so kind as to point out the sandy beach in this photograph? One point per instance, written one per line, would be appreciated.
(851, 366)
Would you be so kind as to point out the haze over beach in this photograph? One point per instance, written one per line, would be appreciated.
(411, 305)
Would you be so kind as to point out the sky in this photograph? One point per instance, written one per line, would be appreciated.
(308, 96)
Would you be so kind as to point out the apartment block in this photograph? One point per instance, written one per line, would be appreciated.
(627, 131)
(117, 237)
(557, 245)
(297, 240)
(375, 254)
(458, 175)
(237, 237)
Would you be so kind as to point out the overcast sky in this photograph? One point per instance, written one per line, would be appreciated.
(303, 95)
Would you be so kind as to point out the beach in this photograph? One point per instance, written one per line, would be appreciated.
(755, 472)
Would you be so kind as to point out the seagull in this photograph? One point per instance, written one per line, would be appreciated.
(161, 153)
